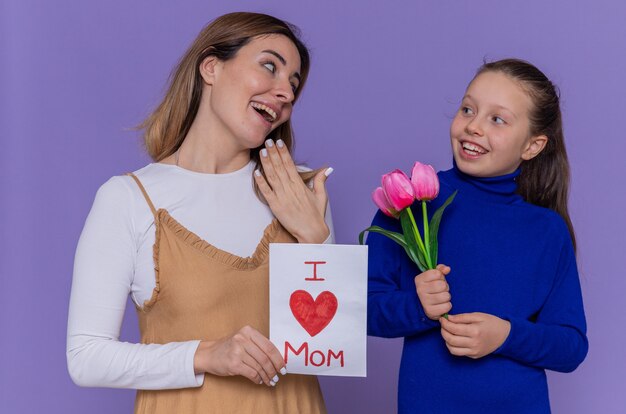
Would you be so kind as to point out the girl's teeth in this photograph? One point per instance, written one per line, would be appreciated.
(472, 149)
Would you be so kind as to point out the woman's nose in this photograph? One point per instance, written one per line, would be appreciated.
(284, 91)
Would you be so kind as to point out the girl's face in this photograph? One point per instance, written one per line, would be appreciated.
(490, 133)
(252, 93)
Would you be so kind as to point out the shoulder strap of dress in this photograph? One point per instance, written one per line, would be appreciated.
(145, 194)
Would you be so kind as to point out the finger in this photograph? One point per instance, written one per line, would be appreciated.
(455, 340)
(277, 161)
(290, 166)
(430, 275)
(319, 188)
(265, 366)
(270, 351)
(458, 329)
(458, 351)
(439, 298)
(264, 187)
(436, 286)
(441, 309)
(443, 269)
(270, 171)
(257, 373)
(467, 318)
(320, 179)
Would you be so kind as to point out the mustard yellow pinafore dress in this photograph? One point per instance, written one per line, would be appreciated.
(205, 293)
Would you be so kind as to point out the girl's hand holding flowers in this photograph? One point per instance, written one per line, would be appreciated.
(433, 292)
(394, 198)
(474, 335)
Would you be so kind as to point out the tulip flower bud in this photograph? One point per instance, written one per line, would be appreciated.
(398, 190)
(425, 182)
(380, 199)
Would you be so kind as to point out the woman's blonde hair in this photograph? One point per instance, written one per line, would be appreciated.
(166, 127)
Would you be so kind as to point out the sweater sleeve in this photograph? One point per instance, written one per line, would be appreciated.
(103, 274)
(393, 310)
(557, 339)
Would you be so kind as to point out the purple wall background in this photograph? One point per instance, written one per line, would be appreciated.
(75, 76)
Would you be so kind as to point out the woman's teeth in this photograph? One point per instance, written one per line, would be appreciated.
(473, 149)
(267, 112)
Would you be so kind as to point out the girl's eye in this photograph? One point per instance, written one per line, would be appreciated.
(466, 110)
(270, 66)
(294, 88)
(498, 120)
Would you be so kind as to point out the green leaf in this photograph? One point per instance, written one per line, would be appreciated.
(396, 237)
(434, 227)
(417, 254)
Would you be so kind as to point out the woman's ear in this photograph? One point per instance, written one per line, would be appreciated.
(208, 69)
(534, 146)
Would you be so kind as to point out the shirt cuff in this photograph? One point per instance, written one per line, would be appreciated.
(508, 344)
(191, 378)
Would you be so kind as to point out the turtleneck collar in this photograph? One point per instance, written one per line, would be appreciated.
(501, 189)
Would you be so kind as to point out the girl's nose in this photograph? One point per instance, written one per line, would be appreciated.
(473, 127)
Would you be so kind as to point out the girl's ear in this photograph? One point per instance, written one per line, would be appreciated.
(209, 68)
(534, 146)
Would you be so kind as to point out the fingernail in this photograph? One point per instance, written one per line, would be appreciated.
(269, 143)
(280, 143)
(272, 383)
(283, 371)
(329, 171)
(275, 379)
(264, 152)
(261, 382)
(257, 173)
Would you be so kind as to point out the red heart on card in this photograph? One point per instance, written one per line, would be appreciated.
(313, 315)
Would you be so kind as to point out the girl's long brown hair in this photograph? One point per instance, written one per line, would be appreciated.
(166, 127)
(544, 180)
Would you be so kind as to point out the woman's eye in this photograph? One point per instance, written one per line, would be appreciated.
(270, 66)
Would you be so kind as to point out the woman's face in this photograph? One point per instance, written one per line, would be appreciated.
(252, 93)
(490, 133)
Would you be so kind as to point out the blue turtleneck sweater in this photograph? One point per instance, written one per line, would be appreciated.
(510, 259)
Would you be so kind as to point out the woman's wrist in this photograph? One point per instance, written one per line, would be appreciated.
(201, 357)
(315, 235)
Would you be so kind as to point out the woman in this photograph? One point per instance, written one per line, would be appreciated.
(200, 280)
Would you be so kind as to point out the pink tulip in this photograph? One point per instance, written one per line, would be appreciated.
(398, 190)
(425, 182)
(383, 204)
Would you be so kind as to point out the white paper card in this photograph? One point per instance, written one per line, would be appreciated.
(318, 307)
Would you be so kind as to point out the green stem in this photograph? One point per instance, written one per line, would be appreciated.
(426, 232)
(418, 237)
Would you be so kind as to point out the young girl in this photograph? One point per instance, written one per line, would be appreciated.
(188, 235)
(509, 281)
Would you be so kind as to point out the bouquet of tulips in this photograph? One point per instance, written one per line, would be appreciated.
(395, 197)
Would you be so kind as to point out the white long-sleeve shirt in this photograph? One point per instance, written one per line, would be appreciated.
(114, 259)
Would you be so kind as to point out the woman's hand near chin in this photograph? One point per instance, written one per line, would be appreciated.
(299, 209)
